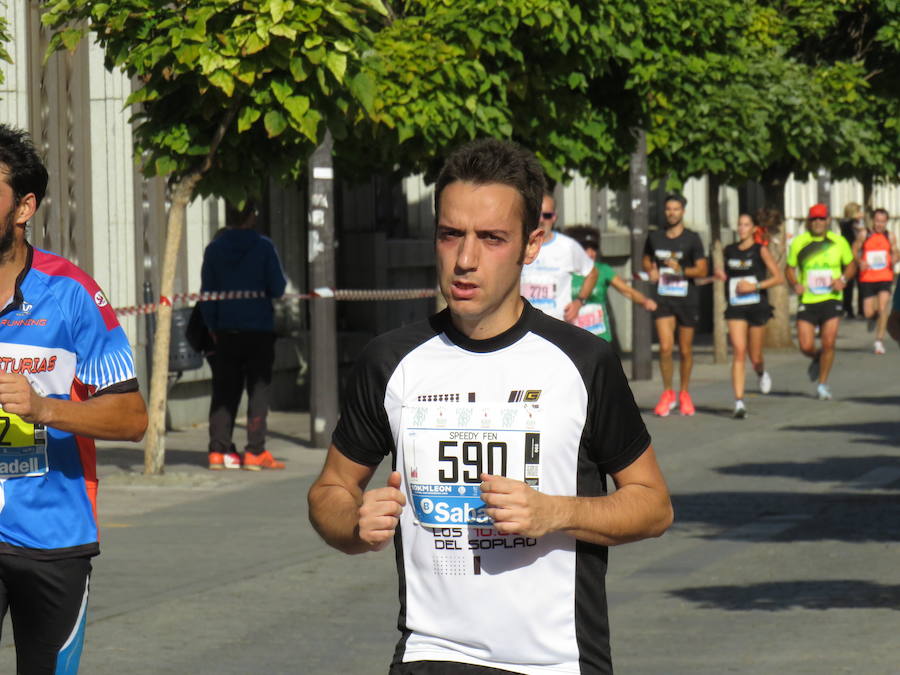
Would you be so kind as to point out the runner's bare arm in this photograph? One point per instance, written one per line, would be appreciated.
(791, 274)
(346, 517)
(776, 278)
(849, 272)
(632, 293)
(112, 417)
(571, 310)
(639, 508)
(698, 271)
(650, 268)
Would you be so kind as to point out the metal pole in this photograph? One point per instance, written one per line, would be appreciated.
(641, 325)
(150, 325)
(323, 329)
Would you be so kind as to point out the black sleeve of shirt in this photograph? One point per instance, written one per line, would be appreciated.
(697, 252)
(618, 433)
(363, 432)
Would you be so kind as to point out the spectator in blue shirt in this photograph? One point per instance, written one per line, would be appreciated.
(243, 332)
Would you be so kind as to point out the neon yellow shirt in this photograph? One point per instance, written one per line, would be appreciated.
(819, 260)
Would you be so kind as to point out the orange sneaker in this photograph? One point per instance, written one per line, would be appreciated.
(216, 461)
(263, 460)
(686, 404)
(666, 403)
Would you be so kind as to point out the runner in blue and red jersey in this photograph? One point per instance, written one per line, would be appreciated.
(66, 378)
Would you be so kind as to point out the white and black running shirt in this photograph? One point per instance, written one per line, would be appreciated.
(546, 403)
(547, 281)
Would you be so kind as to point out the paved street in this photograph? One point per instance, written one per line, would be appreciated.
(784, 556)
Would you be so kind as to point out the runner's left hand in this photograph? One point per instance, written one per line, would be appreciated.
(17, 397)
(570, 313)
(745, 288)
(515, 507)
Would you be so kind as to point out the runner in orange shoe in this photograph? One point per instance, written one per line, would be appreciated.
(674, 259)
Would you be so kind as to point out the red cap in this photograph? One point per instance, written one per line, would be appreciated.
(818, 211)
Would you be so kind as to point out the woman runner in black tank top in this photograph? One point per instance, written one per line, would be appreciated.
(749, 270)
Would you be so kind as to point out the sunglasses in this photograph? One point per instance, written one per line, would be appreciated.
(547, 215)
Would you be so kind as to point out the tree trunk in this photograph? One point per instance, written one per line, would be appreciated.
(720, 334)
(868, 186)
(155, 442)
(778, 330)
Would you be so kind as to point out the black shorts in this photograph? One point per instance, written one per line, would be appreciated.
(442, 668)
(818, 313)
(686, 314)
(867, 289)
(47, 601)
(755, 315)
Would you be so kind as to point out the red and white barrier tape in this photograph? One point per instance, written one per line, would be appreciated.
(367, 295)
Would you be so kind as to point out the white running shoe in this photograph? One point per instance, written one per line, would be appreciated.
(823, 393)
(765, 383)
(879, 347)
(740, 411)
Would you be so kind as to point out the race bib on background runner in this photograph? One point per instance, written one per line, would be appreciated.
(23, 447)
(672, 285)
(737, 299)
(819, 281)
(539, 290)
(591, 317)
(877, 260)
(447, 448)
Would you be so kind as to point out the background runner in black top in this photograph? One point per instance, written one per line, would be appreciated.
(673, 259)
(749, 271)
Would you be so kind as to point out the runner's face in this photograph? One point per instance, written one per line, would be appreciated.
(817, 226)
(548, 206)
(10, 214)
(745, 228)
(879, 221)
(674, 213)
(479, 256)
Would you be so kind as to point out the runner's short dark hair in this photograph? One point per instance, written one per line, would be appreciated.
(884, 211)
(585, 235)
(23, 169)
(491, 161)
(675, 197)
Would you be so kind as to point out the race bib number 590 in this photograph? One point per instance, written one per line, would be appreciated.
(444, 461)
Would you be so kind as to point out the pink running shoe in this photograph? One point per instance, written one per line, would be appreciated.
(686, 404)
(666, 403)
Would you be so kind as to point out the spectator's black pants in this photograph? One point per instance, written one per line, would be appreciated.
(239, 360)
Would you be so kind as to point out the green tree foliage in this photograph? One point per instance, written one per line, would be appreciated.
(546, 73)
(280, 68)
(4, 39)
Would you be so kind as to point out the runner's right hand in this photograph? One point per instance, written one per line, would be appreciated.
(380, 513)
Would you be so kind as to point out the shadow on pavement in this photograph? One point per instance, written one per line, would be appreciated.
(876, 400)
(785, 595)
(127, 458)
(884, 433)
(829, 469)
(841, 516)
